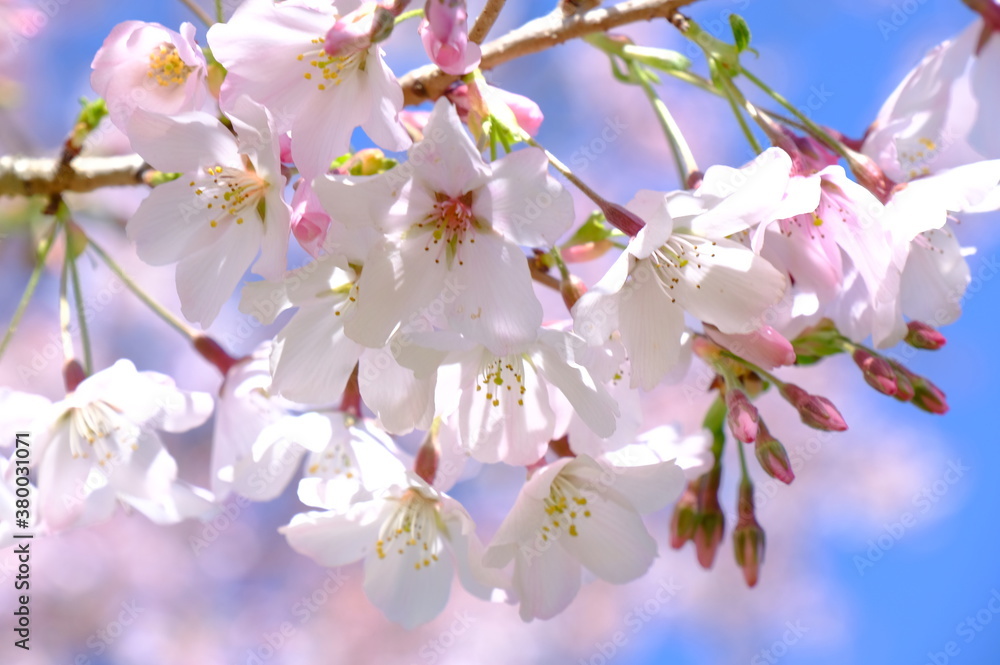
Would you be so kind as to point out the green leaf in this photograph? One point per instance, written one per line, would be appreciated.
(657, 58)
(741, 32)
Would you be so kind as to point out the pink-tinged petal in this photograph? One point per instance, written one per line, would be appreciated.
(367, 207)
(382, 124)
(651, 327)
(590, 400)
(399, 399)
(652, 208)
(309, 221)
(727, 285)
(182, 143)
(738, 199)
(312, 358)
(407, 591)
(764, 347)
(207, 278)
(523, 202)
(446, 160)
(546, 579)
(170, 224)
(935, 278)
(336, 539)
(646, 487)
(283, 32)
(397, 280)
(489, 297)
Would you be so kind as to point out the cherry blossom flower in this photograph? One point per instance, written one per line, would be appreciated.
(412, 539)
(445, 34)
(319, 97)
(682, 260)
(224, 208)
(99, 445)
(452, 226)
(580, 513)
(147, 66)
(935, 119)
(310, 223)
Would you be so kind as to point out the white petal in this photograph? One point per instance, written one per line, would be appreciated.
(446, 160)
(313, 358)
(407, 591)
(523, 202)
(935, 278)
(182, 143)
(651, 327)
(546, 581)
(337, 539)
(401, 401)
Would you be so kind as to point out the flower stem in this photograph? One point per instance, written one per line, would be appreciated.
(88, 359)
(683, 157)
(413, 13)
(64, 314)
(199, 12)
(157, 308)
(814, 129)
(29, 290)
(736, 101)
(220, 16)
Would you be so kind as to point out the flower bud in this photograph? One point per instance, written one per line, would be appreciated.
(742, 416)
(748, 537)
(764, 347)
(877, 371)
(356, 31)
(929, 397)
(870, 175)
(815, 411)
(445, 35)
(587, 251)
(619, 217)
(426, 463)
(904, 387)
(572, 289)
(818, 341)
(773, 457)
(73, 375)
(922, 336)
(711, 521)
(684, 520)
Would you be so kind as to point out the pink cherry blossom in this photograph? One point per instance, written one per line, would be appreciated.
(319, 97)
(147, 66)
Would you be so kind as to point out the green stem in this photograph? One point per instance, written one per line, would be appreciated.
(29, 290)
(715, 418)
(736, 101)
(64, 313)
(157, 308)
(220, 15)
(683, 157)
(199, 12)
(569, 175)
(405, 16)
(88, 359)
(815, 129)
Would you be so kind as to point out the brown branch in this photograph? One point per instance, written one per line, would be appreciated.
(429, 82)
(28, 176)
(486, 20)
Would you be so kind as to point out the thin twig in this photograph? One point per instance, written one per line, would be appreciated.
(429, 82)
(486, 19)
(199, 12)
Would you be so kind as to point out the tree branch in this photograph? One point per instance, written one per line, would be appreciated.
(429, 82)
(28, 176)
(486, 20)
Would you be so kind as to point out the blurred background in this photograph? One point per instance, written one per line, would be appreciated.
(883, 550)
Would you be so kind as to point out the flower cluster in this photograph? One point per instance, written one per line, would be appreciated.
(416, 348)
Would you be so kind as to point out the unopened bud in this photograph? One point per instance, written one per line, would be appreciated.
(877, 371)
(764, 347)
(73, 375)
(870, 175)
(426, 463)
(773, 457)
(742, 416)
(922, 336)
(684, 521)
(904, 387)
(621, 218)
(930, 398)
(748, 537)
(711, 521)
(815, 411)
(587, 251)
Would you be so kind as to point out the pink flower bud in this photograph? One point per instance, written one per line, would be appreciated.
(624, 220)
(877, 371)
(742, 416)
(587, 251)
(817, 412)
(444, 32)
(930, 398)
(426, 463)
(765, 347)
(310, 222)
(684, 520)
(285, 144)
(748, 538)
(904, 387)
(870, 175)
(922, 336)
(358, 30)
(773, 457)
(711, 522)
(485, 98)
